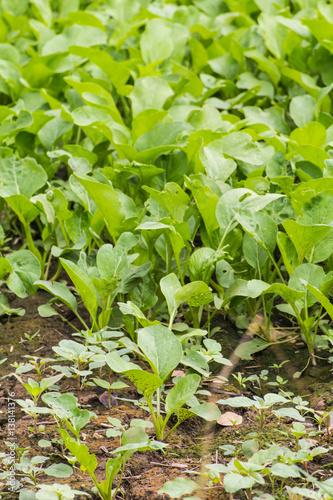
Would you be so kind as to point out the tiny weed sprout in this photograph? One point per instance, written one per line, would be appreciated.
(35, 390)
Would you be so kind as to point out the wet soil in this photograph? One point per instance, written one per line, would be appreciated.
(193, 444)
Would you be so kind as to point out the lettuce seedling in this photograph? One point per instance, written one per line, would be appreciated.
(133, 439)
(161, 349)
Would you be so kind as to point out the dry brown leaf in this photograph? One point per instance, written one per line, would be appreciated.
(178, 373)
(229, 419)
(109, 401)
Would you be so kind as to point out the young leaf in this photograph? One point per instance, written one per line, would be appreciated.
(207, 411)
(161, 348)
(87, 460)
(195, 294)
(169, 286)
(324, 301)
(60, 291)
(178, 487)
(84, 285)
(184, 389)
(146, 382)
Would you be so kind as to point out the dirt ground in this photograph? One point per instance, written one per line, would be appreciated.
(192, 445)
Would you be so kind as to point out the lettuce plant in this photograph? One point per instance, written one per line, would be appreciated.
(132, 440)
(162, 351)
(98, 285)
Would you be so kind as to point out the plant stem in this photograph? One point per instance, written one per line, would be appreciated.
(171, 430)
(118, 485)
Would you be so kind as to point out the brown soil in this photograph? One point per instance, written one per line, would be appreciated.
(192, 445)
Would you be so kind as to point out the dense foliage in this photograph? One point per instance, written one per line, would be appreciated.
(161, 163)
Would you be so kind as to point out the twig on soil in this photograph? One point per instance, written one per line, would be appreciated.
(174, 466)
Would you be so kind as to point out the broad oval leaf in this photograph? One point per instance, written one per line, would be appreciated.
(169, 286)
(178, 487)
(60, 291)
(207, 411)
(146, 382)
(195, 294)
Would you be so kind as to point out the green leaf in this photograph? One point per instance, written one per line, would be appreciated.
(274, 34)
(118, 364)
(304, 237)
(173, 199)
(178, 487)
(310, 273)
(256, 288)
(133, 310)
(134, 435)
(47, 382)
(206, 201)
(288, 252)
(149, 92)
(237, 402)
(84, 36)
(107, 200)
(313, 134)
(234, 482)
(111, 261)
(324, 301)
(58, 470)
(284, 470)
(216, 165)
(197, 362)
(207, 411)
(146, 382)
(170, 284)
(246, 349)
(19, 176)
(302, 109)
(179, 394)
(161, 348)
(84, 285)
(162, 40)
(238, 145)
(262, 87)
(60, 291)
(289, 413)
(24, 209)
(199, 261)
(86, 460)
(116, 71)
(261, 227)
(195, 294)
(27, 268)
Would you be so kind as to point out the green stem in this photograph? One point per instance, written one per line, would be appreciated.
(225, 233)
(57, 273)
(158, 404)
(169, 258)
(274, 272)
(171, 430)
(275, 265)
(118, 485)
(172, 318)
(47, 265)
(180, 272)
(209, 320)
(186, 265)
(64, 233)
(153, 416)
(31, 245)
